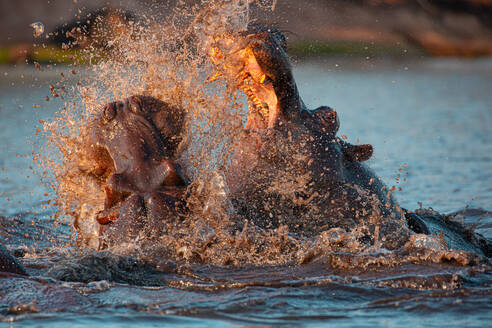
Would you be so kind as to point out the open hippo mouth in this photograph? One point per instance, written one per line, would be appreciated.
(257, 62)
(258, 87)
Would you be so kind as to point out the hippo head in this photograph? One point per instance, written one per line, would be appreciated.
(140, 127)
(132, 144)
(288, 154)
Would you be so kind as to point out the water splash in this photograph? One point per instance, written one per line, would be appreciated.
(38, 29)
(171, 62)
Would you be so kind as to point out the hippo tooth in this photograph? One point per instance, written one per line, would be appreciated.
(258, 105)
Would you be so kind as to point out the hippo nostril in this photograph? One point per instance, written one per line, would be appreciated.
(109, 113)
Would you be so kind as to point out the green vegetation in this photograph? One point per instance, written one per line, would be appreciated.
(47, 54)
(54, 54)
(358, 49)
(4, 55)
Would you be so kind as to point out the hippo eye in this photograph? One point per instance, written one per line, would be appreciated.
(109, 112)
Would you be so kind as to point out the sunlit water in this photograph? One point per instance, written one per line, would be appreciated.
(435, 116)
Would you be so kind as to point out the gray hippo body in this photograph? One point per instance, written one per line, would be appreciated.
(8, 263)
(322, 182)
(283, 138)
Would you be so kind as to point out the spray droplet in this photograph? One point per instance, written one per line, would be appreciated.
(38, 28)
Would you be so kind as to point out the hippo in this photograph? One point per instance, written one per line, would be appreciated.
(9, 264)
(94, 28)
(132, 144)
(290, 168)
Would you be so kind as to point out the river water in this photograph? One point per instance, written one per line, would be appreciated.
(431, 117)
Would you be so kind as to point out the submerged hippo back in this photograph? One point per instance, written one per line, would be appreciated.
(8, 263)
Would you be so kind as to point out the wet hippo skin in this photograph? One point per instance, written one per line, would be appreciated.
(132, 143)
(8, 263)
(283, 138)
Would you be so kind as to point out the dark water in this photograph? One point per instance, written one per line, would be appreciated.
(434, 116)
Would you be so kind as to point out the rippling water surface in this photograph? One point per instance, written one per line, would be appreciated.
(434, 116)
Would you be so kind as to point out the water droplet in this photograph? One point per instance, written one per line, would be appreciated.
(38, 28)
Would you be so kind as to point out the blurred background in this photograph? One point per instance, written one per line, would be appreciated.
(315, 27)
